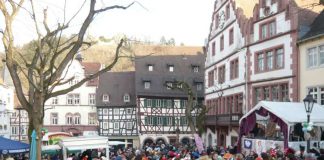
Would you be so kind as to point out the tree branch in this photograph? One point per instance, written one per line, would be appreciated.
(114, 7)
(92, 76)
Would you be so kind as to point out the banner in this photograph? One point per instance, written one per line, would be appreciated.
(199, 143)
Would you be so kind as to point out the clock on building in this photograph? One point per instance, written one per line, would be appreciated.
(221, 19)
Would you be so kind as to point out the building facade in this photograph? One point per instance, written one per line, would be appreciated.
(116, 107)
(19, 123)
(254, 48)
(6, 108)
(161, 109)
(311, 50)
(75, 112)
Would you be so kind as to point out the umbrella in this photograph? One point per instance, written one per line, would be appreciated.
(33, 147)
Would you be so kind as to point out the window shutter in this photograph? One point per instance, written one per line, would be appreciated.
(153, 103)
(164, 103)
(155, 121)
(173, 121)
(181, 103)
(165, 121)
(145, 102)
(145, 120)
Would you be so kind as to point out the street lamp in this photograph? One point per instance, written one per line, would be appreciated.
(177, 132)
(309, 104)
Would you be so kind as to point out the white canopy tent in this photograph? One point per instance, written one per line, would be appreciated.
(284, 114)
(83, 143)
(291, 112)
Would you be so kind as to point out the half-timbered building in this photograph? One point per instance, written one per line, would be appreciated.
(116, 107)
(161, 109)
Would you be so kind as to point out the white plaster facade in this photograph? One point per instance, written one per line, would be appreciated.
(230, 86)
(76, 104)
(6, 108)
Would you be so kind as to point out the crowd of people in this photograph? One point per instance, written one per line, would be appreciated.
(191, 152)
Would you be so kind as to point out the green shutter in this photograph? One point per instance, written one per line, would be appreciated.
(145, 102)
(164, 121)
(153, 103)
(181, 103)
(173, 121)
(145, 120)
(154, 121)
(181, 121)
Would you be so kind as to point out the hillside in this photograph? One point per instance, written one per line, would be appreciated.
(105, 53)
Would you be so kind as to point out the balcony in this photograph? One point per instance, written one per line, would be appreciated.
(224, 119)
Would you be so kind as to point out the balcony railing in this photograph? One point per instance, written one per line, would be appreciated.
(224, 119)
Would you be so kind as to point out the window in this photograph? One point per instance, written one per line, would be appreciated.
(105, 111)
(267, 30)
(199, 86)
(279, 58)
(221, 74)
(92, 99)
(54, 118)
(231, 36)
(73, 99)
(126, 98)
(14, 130)
(69, 118)
(276, 92)
(116, 125)
(210, 78)
(170, 121)
(234, 69)
(227, 15)
(150, 67)
(5, 127)
(169, 103)
(272, 28)
(105, 98)
(213, 48)
(169, 85)
(196, 69)
(269, 57)
(222, 43)
(149, 102)
(147, 85)
(315, 56)
(260, 62)
(77, 118)
(55, 100)
(159, 121)
(270, 60)
(105, 125)
(129, 111)
(171, 68)
(116, 111)
(129, 125)
(92, 118)
(318, 94)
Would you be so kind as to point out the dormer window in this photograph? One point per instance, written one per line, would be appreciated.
(126, 98)
(105, 98)
(169, 85)
(150, 67)
(195, 69)
(171, 68)
(199, 86)
(147, 85)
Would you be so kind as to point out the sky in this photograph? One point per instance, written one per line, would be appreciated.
(187, 21)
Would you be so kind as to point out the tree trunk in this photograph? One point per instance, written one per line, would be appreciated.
(36, 119)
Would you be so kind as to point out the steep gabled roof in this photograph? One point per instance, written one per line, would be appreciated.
(317, 28)
(91, 68)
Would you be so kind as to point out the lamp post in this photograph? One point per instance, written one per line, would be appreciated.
(177, 132)
(308, 103)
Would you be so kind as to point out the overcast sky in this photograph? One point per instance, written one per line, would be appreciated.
(187, 21)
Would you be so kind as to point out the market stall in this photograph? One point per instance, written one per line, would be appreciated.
(271, 124)
(8, 146)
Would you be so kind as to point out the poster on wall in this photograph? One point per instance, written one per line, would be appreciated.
(247, 144)
(199, 143)
(260, 146)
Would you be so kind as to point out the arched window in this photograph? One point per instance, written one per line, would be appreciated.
(77, 118)
(69, 118)
(126, 97)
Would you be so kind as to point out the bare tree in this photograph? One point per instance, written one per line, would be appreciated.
(51, 55)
